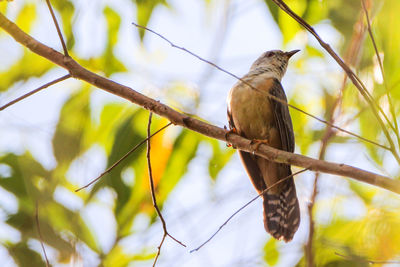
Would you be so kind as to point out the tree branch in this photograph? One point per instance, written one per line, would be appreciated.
(260, 91)
(153, 195)
(244, 206)
(177, 118)
(53, 16)
(352, 76)
(35, 91)
(121, 159)
(40, 234)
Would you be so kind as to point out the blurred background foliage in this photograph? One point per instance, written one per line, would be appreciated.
(85, 128)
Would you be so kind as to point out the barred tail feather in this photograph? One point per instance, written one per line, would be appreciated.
(282, 212)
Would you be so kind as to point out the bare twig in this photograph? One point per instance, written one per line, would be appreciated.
(350, 58)
(40, 234)
(244, 206)
(177, 118)
(35, 91)
(309, 245)
(153, 195)
(260, 91)
(359, 259)
(121, 159)
(391, 107)
(58, 28)
(352, 76)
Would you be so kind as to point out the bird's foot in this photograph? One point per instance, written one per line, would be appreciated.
(258, 142)
(227, 133)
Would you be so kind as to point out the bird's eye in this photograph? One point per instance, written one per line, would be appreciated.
(269, 54)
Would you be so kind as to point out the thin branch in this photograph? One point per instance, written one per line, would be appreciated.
(359, 259)
(244, 206)
(35, 91)
(153, 194)
(309, 245)
(352, 76)
(177, 118)
(40, 234)
(391, 107)
(58, 28)
(350, 58)
(260, 91)
(121, 159)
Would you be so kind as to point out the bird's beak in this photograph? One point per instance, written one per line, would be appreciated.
(291, 53)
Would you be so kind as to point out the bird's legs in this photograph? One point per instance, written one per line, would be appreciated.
(258, 142)
(227, 133)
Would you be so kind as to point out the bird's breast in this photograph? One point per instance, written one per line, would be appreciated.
(251, 109)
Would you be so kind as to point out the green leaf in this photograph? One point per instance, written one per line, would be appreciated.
(74, 119)
(271, 253)
(110, 63)
(24, 256)
(144, 11)
(219, 158)
(30, 65)
(66, 9)
(26, 17)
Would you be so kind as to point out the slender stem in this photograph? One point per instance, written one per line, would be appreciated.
(40, 234)
(354, 78)
(153, 195)
(260, 91)
(121, 159)
(178, 118)
(35, 91)
(58, 28)
(244, 206)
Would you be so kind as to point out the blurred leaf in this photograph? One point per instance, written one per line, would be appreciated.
(25, 173)
(24, 256)
(183, 151)
(111, 63)
(144, 11)
(271, 253)
(314, 52)
(26, 17)
(365, 192)
(30, 65)
(219, 158)
(118, 258)
(74, 119)
(301, 129)
(371, 130)
(66, 9)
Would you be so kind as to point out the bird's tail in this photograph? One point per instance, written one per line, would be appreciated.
(282, 212)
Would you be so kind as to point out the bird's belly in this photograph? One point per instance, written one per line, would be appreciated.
(251, 113)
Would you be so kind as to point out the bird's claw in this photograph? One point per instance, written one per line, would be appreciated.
(258, 142)
(227, 133)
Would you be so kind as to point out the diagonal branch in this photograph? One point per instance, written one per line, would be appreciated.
(40, 234)
(58, 28)
(391, 107)
(260, 91)
(35, 91)
(153, 195)
(177, 118)
(121, 159)
(244, 206)
(352, 76)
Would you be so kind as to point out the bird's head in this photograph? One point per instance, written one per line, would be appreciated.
(274, 61)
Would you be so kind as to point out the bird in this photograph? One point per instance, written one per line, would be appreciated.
(253, 114)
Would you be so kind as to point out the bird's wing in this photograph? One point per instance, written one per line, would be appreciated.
(250, 163)
(282, 117)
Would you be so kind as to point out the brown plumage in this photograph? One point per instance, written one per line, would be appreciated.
(256, 116)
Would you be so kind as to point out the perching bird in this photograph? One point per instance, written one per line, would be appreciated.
(254, 115)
